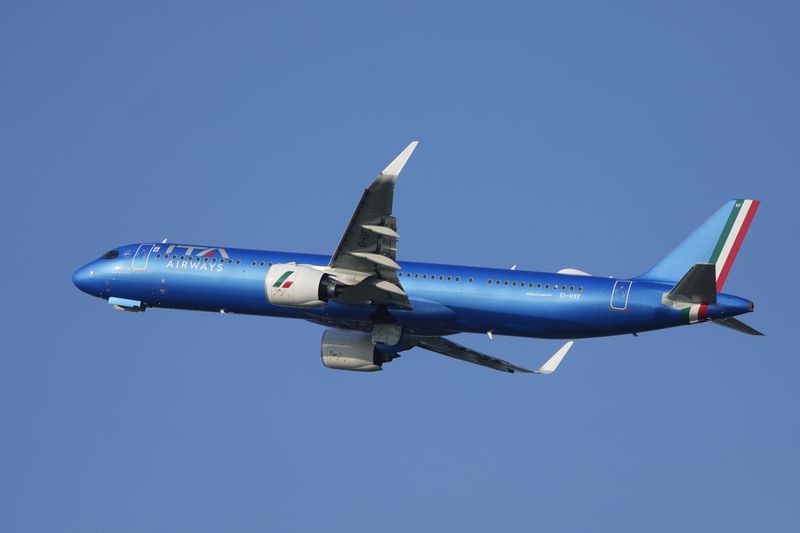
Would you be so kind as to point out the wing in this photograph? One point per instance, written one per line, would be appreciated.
(452, 349)
(367, 252)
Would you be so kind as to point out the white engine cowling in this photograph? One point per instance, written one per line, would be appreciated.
(351, 350)
(298, 286)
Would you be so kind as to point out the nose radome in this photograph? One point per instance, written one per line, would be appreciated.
(82, 278)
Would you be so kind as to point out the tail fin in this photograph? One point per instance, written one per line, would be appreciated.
(717, 242)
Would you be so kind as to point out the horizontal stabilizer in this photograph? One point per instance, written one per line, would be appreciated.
(697, 286)
(738, 325)
(550, 366)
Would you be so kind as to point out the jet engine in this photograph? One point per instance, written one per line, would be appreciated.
(299, 286)
(351, 350)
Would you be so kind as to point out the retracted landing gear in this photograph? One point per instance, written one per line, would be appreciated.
(387, 330)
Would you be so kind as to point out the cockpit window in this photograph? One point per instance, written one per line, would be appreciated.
(111, 254)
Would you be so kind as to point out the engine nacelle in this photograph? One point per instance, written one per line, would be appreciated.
(298, 286)
(351, 350)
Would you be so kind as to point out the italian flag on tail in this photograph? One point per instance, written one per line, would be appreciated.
(724, 253)
(716, 241)
(730, 240)
(695, 313)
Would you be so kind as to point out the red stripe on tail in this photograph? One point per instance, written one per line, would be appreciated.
(726, 268)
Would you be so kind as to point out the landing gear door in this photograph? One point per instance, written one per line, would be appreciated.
(142, 255)
(619, 297)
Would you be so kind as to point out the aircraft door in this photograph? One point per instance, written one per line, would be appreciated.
(142, 255)
(619, 297)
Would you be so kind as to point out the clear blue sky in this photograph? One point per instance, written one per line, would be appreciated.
(552, 135)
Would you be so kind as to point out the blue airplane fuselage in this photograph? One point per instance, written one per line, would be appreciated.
(445, 299)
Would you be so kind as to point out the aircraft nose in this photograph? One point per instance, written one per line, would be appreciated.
(83, 277)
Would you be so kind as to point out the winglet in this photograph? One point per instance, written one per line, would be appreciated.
(399, 162)
(550, 366)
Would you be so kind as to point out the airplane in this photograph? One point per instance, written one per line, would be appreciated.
(375, 306)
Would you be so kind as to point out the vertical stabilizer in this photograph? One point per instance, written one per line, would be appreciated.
(717, 241)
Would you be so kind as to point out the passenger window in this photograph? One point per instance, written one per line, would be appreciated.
(416, 276)
(238, 261)
(254, 263)
(441, 278)
(563, 287)
(571, 287)
(469, 280)
(424, 276)
(261, 263)
(490, 281)
(505, 283)
(497, 282)
(458, 278)
(513, 283)
(580, 289)
(538, 285)
(546, 285)
(158, 256)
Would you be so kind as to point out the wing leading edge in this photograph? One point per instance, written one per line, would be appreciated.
(449, 348)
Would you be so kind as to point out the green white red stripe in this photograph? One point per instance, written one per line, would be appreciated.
(696, 313)
(730, 240)
(283, 282)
